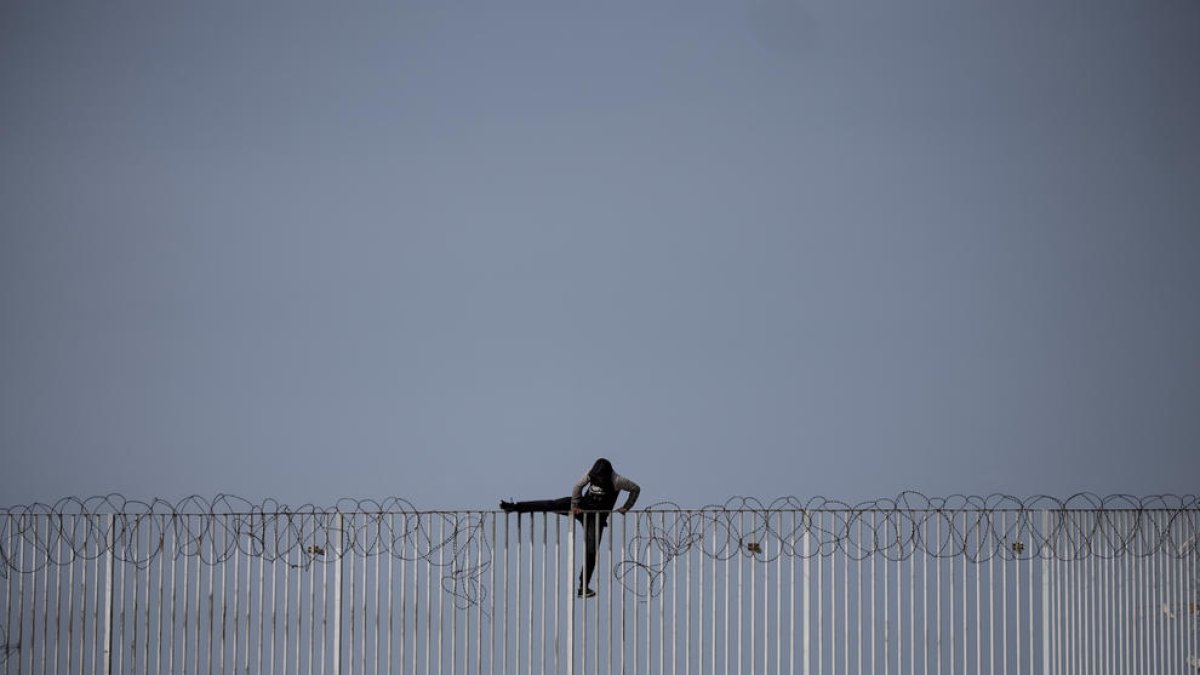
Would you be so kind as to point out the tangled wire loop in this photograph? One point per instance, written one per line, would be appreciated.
(976, 528)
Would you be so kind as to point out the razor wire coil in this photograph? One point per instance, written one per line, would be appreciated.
(978, 528)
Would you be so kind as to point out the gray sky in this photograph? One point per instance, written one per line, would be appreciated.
(454, 251)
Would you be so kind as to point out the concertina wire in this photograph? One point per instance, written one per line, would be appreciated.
(977, 528)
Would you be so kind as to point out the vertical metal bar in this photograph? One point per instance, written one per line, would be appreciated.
(542, 610)
(337, 593)
(712, 604)
(966, 591)
(11, 574)
(217, 557)
(1029, 616)
(724, 608)
(15, 654)
(924, 587)
(402, 554)
(74, 561)
(1193, 600)
(570, 599)
(1162, 599)
(167, 637)
(558, 589)
(1154, 647)
(590, 626)
(479, 611)
(417, 560)
(779, 556)
(211, 599)
(47, 566)
(846, 601)
(821, 517)
(624, 589)
(741, 595)
(232, 552)
(1046, 554)
(978, 597)
(1102, 640)
(81, 559)
(1130, 578)
(391, 605)
(874, 555)
(428, 563)
(442, 598)
(899, 594)
(1122, 569)
(991, 599)
(316, 566)
(647, 603)
(1070, 592)
(41, 570)
(912, 606)
(529, 618)
(887, 638)
(275, 553)
(507, 574)
(286, 619)
(937, 574)
(1142, 639)
(1178, 563)
(377, 546)
(662, 602)
(792, 599)
(1086, 599)
(1168, 617)
(675, 607)
(1087, 610)
(108, 596)
(492, 594)
(1191, 551)
(25, 569)
(58, 595)
(362, 617)
(687, 606)
(1003, 598)
(520, 596)
(860, 521)
(262, 585)
(952, 604)
(751, 560)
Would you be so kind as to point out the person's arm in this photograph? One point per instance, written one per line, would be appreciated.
(622, 483)
(577, 492)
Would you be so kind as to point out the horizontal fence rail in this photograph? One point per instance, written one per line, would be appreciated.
(908, 585)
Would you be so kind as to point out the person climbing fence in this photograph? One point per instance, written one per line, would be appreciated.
(591, 500)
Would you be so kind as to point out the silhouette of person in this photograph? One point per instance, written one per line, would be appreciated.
(590, 506)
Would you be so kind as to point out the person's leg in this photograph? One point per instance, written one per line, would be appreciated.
(593, 532)
(562, 505)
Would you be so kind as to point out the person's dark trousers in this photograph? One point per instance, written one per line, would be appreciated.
(594, 523)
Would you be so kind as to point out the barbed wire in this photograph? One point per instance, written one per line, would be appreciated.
(978, 528)
(137, 532)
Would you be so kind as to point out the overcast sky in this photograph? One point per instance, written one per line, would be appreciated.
(454, 251)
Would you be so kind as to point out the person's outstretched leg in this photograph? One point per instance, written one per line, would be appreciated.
(562, 505)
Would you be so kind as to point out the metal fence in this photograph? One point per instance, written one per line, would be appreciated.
(900, 586)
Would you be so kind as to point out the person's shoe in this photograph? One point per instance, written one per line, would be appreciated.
(507, 507)
(586, 593)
